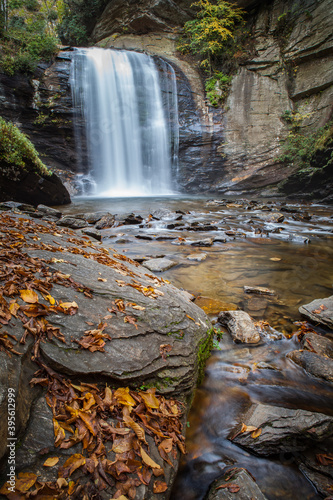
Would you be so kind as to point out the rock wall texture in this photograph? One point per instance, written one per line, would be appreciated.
(234, 150)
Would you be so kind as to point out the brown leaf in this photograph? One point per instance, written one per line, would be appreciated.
(72, 463)
(160, 487)
(25, 481)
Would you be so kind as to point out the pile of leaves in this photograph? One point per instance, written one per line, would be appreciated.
(112, 427)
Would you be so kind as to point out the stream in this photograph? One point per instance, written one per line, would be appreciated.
(287, 247)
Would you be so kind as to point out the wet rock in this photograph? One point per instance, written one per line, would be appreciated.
(49, 211)
(240, 326)
(105, 222)
(159, 265)
(316, 466)
(319, 311)
(199, 257)
(267, 332)
(314, 364)
(248, 489)
(71, 222)
(281, 429)
(144, 236)
(260, 290)
(94, 217)
(206, 242)
(129, 219)
(322, 482)
(272, 217)
(92, 232)
(318, 343)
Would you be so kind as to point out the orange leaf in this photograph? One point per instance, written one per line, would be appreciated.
(160, 487)
(248, 428)
(29, 296)
(13, 308)
(50, 462)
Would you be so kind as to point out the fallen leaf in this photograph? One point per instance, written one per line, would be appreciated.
(256, 433)
(123, 397)
(50, 462)
(25, 481)
(29, 296)
(147, 460)
(72, 463)
(150, 399)
(160, 487)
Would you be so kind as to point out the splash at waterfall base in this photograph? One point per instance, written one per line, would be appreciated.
(131, 131)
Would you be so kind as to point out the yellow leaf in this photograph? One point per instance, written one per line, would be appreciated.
(101, 279)
(248, 428)
(50, 299)
(150, 400)
(50, 462)
(147, 460)
(25, 481)
(275, 259)
(13, 308)
(29, 296)
(256, 433)
(123, 397)
(68, 305)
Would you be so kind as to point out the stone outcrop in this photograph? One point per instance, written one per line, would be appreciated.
(154, 335)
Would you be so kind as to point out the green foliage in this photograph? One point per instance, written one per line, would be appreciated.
(29, 34)
(300, 149)
(17, 150)
(217, 88)
(78, 20)
(212, 32)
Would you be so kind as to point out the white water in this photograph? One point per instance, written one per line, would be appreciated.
(132, 141)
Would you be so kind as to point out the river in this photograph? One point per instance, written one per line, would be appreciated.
(287, 247)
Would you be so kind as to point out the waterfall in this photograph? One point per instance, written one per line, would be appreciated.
(131, 126)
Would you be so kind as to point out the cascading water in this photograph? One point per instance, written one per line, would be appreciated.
(131, 132)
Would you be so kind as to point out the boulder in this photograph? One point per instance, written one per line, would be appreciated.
(237, 484)
(105, 222)
(314, 364)
(30, 187)
(159, 265)
(241, 326)
(120, 327)
(318, 343)
(272, 429)
(319, 311)
(72, 222)
(45, 210)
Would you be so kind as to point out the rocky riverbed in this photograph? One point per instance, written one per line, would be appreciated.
(263, 393)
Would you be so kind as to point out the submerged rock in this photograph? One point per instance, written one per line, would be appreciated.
(260, 290)
(272, 429)
(240, 326)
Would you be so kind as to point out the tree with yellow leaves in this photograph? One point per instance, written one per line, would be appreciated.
(211, 31)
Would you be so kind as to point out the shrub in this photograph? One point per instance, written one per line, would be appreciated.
(17, 150)
(217, 88)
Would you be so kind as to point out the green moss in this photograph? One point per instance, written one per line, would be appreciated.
(16, 149)
(205, 348)
(217, 88)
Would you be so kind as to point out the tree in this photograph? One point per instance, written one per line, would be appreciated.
(214, 27)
